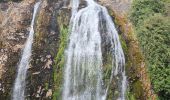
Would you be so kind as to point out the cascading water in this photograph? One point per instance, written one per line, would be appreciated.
(19, 86)
(83, 76)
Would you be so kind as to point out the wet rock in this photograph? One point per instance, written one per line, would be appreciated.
(39, 92)
(17, 47)
(48, 56)
(14, 20)
(1, 17)
(44, 50)
(120, 6)
(3, 60)
(35, 73)
(4, 6)
(30, 1)
(49, 93)
(48, 64)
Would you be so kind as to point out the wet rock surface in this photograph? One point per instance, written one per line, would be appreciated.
(41, 72)
(15, 19)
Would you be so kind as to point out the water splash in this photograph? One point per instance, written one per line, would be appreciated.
(83, 69)
(19, 86)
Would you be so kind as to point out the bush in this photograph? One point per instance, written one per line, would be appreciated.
(153, 32)
(154, 39)
(141, 9)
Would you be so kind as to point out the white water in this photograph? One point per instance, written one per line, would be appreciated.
(19, 86)
(83, 68)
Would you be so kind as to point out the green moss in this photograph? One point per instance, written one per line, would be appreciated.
(46, 86)
(137, 88)
(1, 44)
(123, 44)
(131, 97)
(59, 63)
(107, 69)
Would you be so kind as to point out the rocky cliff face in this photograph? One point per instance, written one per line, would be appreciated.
(15, 21)
(45, 71)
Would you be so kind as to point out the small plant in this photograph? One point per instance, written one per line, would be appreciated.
(59, 63)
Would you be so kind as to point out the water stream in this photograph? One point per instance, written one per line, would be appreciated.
(19, 85)
(83, 75)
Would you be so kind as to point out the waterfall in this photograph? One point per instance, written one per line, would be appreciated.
(19, 85)
(83, 75)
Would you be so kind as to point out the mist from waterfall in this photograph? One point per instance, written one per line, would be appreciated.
(19, 85)
(83, 75)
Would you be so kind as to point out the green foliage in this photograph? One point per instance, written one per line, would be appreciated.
(59, 63)
(130, 96)
(152, 25)
(144, 8)
(123, 44)
(46, 86)
(154, 38)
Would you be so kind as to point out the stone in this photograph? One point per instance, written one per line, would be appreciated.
(31, 1)
(38, 92)
(48, 64)
(17, 47)
(48, 56)
(49, 93)
(1, 17)
(35, 73)
(42, 59)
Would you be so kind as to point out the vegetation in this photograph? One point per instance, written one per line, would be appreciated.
(152, 24)
(59, 63)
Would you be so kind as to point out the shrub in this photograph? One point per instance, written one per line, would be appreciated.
(154, 39)
(141, 9)
(152, 26)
